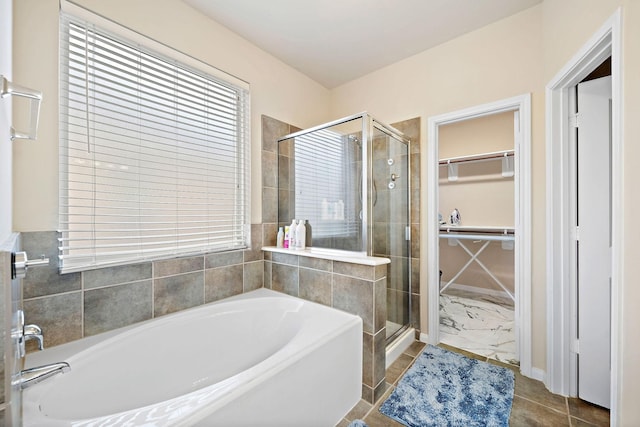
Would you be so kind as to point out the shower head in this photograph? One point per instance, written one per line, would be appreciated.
(353, 138)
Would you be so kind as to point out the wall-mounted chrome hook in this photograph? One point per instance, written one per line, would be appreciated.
(11, 89)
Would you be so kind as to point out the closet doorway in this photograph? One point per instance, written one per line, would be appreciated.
(476, 213)
(478, 161)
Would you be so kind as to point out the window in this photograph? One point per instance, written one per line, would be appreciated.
(154, 157)
(327, 176)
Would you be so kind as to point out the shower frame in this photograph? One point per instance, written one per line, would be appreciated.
(369, 125)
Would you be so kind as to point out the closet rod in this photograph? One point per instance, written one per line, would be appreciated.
(477, 157)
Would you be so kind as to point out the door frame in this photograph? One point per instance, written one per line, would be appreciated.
(561, 375)
(522, 246)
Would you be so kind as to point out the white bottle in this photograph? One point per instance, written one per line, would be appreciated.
(324, 209)
(280, 238)
(292, 234)
(340, 210)
(301, 235)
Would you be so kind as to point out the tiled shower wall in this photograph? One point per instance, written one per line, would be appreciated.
(75, 305)
(272, 129)
(355, 288)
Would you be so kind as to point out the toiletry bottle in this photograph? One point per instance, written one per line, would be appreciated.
(285, 243)
(301, 235)
(340, 210)
(292, 234)
(280, 238)
(307, 227)
(456, 219)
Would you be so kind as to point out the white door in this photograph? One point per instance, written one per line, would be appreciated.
(594, 240)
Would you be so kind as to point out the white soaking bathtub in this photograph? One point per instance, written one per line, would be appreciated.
(259, 359)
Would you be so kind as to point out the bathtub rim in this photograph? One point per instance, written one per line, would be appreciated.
(266, 369)
(66, 350)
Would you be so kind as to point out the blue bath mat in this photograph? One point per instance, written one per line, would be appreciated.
(443, 388)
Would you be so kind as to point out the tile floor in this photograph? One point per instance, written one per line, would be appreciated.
(480, 323)
(533, 405)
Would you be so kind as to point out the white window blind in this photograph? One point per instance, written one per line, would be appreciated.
(326, 184)
(154, 157)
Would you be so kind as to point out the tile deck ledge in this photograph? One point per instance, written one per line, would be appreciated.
(331, 254)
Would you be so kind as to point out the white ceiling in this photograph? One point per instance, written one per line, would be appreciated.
(335, 41)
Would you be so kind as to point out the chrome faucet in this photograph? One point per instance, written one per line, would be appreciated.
(32, 376)
(33, 332)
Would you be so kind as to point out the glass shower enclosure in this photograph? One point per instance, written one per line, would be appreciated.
(350, 180)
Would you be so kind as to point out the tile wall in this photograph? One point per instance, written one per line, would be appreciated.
(355, 288)
(272, 129)
(75, 305)
(319, 281)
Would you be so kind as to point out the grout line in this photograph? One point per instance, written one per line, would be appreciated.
(540, 404)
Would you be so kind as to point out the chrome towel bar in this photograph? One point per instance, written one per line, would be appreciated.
(11, 89)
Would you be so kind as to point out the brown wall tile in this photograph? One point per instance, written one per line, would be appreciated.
(221, 259)
(116, 275)
(367, 359)
(354, 296)
(253, 276)
(380, 306)
(175, 293)
(281, 258)
(113, 307)
(59, 316)
(316, 263)
(223, 282)
(315, 286)
(255, 252)
(365, 272)
(272, 129)
(284, 278)
(175, 266)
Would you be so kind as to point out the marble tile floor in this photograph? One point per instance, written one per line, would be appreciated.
(479, 323)
(533, 404)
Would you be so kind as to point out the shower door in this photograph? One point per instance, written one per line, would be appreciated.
(391, 223)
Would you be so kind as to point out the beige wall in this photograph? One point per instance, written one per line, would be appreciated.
(496, 62)
(568, 25)
(276, 88)
(482, 195)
